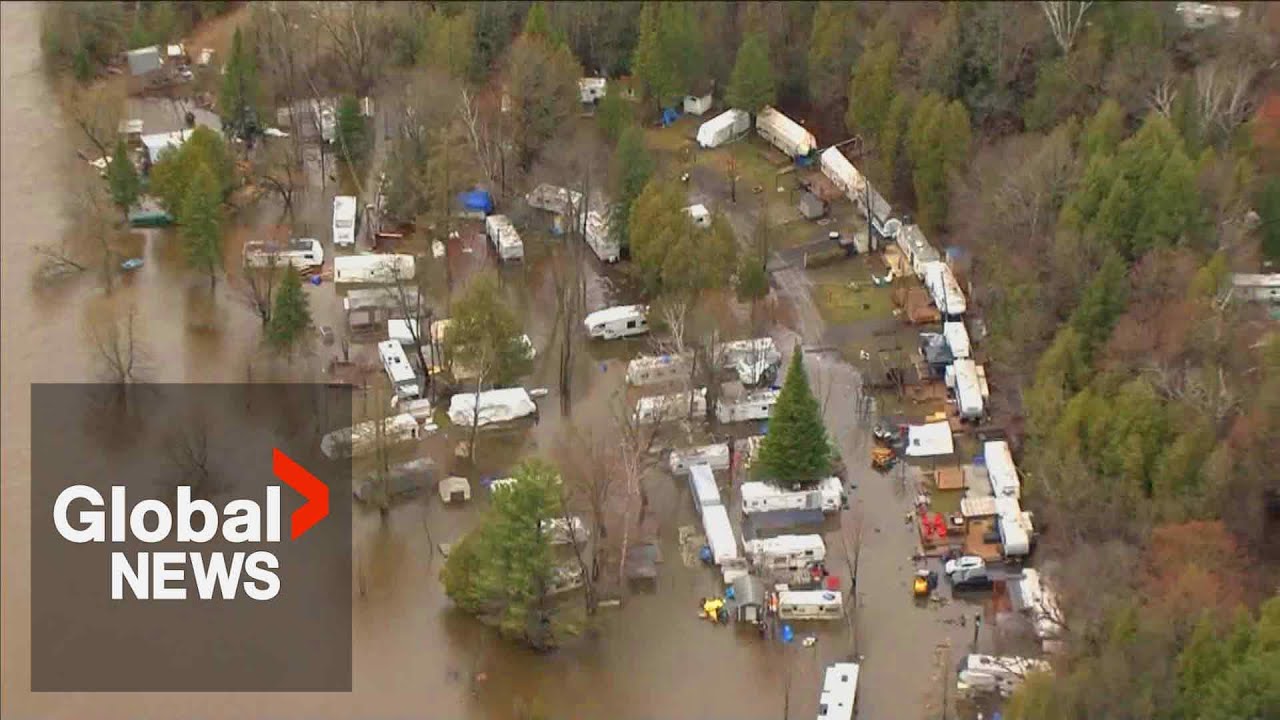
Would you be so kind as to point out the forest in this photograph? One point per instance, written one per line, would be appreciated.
(1107, 168)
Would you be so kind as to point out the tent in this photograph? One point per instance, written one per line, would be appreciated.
(476, 201)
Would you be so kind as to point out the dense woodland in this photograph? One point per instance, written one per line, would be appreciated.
(1105, 167)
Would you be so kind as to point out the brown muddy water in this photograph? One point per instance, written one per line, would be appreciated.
(414, 656)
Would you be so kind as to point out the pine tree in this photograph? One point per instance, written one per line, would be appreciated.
(538, 24)
(653, 62)
(752, 84)
(238, 97)
(613, 115)
(632, 168)
(871, 89)
(831, 50)
(796, 450)
(122, 178)
(201, 219)
(291, 315)
(351, 131)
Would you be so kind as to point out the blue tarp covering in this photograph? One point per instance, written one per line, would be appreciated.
(476, 201)
(669, 115)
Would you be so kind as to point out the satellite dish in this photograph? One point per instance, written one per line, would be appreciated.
(892, 226)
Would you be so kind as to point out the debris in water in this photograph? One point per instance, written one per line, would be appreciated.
(809, 641)
(131, 264)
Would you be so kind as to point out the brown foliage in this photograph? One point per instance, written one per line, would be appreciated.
(1193, 566)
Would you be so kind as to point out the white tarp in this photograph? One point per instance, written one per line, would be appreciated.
(929, 440)
(495, 406)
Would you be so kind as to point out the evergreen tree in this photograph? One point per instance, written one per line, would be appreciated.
(871, 89)
(484, 335)
(172, 174)
(538, 23)
(201, 219)
(238, 96)
(938, 145)
(352, 135)
(752, 85)
(122, 178)
(291, 315)
(1103, 301)
(613, 115)
(831, 51)
(1104, 131)
(650, 65)
(632, 167)
(796, 450)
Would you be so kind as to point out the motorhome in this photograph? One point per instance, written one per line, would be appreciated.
(786, 552)
(738, 404)
(372, 269)
(728, 125)
(784, 133)
(490, 407)
(842, 173)
(962, 376)
(563, 532)
(996, 674)
(810, 605)
(404, 381)
(303, 254)
(503, 237)
(344, 221)
(720, 536)
(839, 694)
(755, 361)
(702, 483)
(715, 457)
(669, 408)
(1000, 469)
(363, 438)
(618, 322)
(957, 339)
(600, 238)
(944, 289)
(659, 369)
(758, 497)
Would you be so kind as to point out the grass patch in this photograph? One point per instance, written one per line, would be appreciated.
(796, 233)
(841, 304)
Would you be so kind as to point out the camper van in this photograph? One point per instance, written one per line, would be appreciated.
(786, 552)
(363, 438)
(659, 369)
(996, 674)
(344, 221)
(728, 125)
(504, 238)
(810, 605)
(784, 133)
(404, 381)
(559, 533)
(372, 269)
(839, 694)
(842, 173)
(737, 404)
(758, 497)
(304, 254)
(618, 322)
(667, 408)
(715, 457)
(600, 239)
(702, 482)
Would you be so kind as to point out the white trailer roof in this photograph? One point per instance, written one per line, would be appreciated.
(724, 544)
(708, 131)
(495, 406)
(957, 339)
(839, 692)
(714, 456)
(811, 597)
(1001, 470)
(800, 140)
(616, 314)
(930, 439)
(842, 172)
(968, 389)
(703, 482)
(372, 268)
(943, 288)
(787, 545)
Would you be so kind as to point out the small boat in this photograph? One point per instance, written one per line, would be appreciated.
(131, 264)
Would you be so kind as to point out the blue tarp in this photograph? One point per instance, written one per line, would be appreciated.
(476, 201)
(669, 115)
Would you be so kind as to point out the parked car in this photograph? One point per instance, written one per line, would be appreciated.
(966, 568)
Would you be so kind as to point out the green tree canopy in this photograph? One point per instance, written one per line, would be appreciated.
(449, 42)
(832, 48)
(291, 315)
(173, 173)
(238, 97)
(796, 451)
(484, 335)
(352, 134)
(938, 146)
(614, 115)
(871, 89)
(752, 85)
(671, 254)
(122, 178)
(543, 85)
(201, 220)
(632, 168)
(668, 56)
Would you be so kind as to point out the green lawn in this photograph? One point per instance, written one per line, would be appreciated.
(842, 304)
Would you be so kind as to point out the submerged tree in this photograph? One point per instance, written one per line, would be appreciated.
(291, 315)
(238, 96)
(122, 178)
(201, 218)
(796, 451)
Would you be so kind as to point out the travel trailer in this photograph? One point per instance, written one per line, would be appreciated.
(404, 381)
(600, 239)
(963, 376)
(555, 199)
(495, 406)
(715, 457)
(737, 404)
(957, 339)
(810, 605)
(720, 536)
(562, 532)
(659, 369)
(786, 552)
(1001, 470)
(755, 361)
(504, 238)
(344, 221)
(996, 674)
(363, 438)
(304, 254)
(618, 322)
(839, 694)
(829, 496)
(728, 125)
(842, 173)
(666, 408)
(944, 289)
(372, 269)
(702, 483)
(784, 133)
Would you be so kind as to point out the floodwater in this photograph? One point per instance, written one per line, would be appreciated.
(413, 655)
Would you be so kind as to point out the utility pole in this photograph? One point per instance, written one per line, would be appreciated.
(977, 625)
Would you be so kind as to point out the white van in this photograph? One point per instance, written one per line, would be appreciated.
(344, 221)
(617, 322)
(304, 254)
(810, 605)
(404, 381)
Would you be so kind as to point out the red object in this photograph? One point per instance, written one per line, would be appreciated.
(833, 582)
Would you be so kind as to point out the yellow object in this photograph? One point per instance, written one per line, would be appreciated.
(920, 587)
(937, 417)
(881, 456)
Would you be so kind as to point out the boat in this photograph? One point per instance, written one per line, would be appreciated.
(131, 264)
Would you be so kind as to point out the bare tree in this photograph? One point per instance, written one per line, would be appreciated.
(1162, 98)
(635, 441)
(411, 304)
(1222, 96)
(257, 287)
(57, 259)
(485, 148)
(278, 167)
(1065, 19)
(354, 29)
(117, 346)
(97, 110)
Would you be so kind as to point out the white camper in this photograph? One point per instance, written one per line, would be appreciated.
(737, 404)
(592, 89)
(758, 497)
(699, 215)
(697, 104)
(720, 536)
(1015, 531)
(658, 369)
(303, 254)
(600, 238)
(842, 173)
(560, 532)
(839, 692)
(810, 605)
(728, 125)
(786, 552)
(1031, 594)
(555, 199)
(754, 360)
(344, 221)
(404, 381)
(996, 674)
(944, 289)
(1001, 470)
(916, 250)
(669, 408)
(968, 390)
(715, 457)
(363, 438)
(702, 483)
(495, 406)
(372, 269)
(784, 133)
(504, 238)
(617, 322)
(957, 339)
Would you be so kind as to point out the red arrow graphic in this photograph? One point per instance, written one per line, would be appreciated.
(308, 486)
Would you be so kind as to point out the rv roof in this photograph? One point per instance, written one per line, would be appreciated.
(612, 314)
(839, 692)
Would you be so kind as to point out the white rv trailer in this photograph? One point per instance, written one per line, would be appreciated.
(754, 360)
(758, 497)
(363, 438)
(842, 173)
(600, 239)
(943, 288)
(786, 552)
(495, 406)
(344, 221)
(996, 674)
(728, 125)
(372, 269)
(658, 369)
(699, 215)
(720, 536)
(617, 322)
(504, 238)
(304, 254)
(664, 408)
(560, 532)
(810, 605)
(404, 381)
(1032, 594)
(967, 388)
(1001, 470)
(784, 133)
(715, 457)
(737, 404)
(839, 692)
(1015, 529)
(957, 339)
(555, 199)
(592, 89)
(702, 483)
(916, 250)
